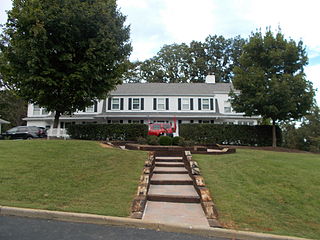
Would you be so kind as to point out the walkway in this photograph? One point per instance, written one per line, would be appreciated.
(172, 197)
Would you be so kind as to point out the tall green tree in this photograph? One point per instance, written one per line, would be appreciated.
(191, 63)
(64, 54)
(271, 79)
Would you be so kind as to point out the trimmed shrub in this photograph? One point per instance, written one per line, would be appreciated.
(165, 140)
(152, 140)
(186, 143)
(142, 140)
(229, 134)
(176, 140)
(124, 132)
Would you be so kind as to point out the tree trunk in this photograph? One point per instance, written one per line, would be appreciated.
(274, 136)
(56, 119)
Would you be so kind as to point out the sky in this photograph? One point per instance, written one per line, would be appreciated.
(154, 23)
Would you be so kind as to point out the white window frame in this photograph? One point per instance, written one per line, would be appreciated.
(227, 107)
(138, 105)
(185, 103)
(161, 104)
(205, 104)
(113, 104)
(36, 110)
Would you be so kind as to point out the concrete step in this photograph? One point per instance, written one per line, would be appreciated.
(168, 159)
(170, 170)
(171, 179)
(173, 193)
(172, 213)
(169, 164)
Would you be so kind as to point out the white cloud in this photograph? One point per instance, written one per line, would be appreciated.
(187, 20)
(313, 74)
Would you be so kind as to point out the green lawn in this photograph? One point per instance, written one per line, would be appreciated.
(266, 191)
(77, 176)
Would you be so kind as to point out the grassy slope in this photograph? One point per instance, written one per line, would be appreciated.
(266, 191)
(75, 176)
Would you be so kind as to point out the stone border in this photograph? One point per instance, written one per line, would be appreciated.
(140, 200)
(135, 223)
(207, 204)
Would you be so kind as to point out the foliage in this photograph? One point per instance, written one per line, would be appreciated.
(152, 140)
(183, 63)
(176, 140)
(306, 137)
(142, 140)
(228, 134)
(186, 143)
(108, 131)
(63, 55)
(271, 79)
(74, 176)
(265, 191)
(12, 109)
(165, 140)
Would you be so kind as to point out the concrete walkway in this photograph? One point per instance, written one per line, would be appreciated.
(172, 197)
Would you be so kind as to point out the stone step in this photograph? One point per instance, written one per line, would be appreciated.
(171, 179)
(168, 159)
(170, 170)
(169, 164)
(173, 193)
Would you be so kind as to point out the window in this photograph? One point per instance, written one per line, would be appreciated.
(205, 104)
(135, 103)
(135, 121)
(44, 111)
(90, 109)
(36, 110)
(115, 104)
(205, 121)
(161, 104)
(185, 104)
(227, 108)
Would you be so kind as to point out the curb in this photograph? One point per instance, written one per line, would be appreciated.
(128, 222)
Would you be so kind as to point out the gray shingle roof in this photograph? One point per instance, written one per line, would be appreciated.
(169, 89)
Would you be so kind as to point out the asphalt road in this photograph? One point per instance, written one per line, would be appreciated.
(18, 228)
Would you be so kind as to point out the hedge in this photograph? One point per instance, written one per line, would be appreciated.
(260, 135)
(125, 132)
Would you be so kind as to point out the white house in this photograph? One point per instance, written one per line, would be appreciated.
(154, 102)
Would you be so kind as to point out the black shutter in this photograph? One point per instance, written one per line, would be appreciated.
(95, 106)
(154, 104)
(109, 121)
(129, 121)
(121, 104)
(167, 103)
(109, 103)
(191, 103)
(191, 121)
(142, 103)
(179, 121)
(200, 121)
(179, 103)
(212, 121)
(141, 121)
(199, 104)
(217, 106)
(130, 103)
(211, 104)
(121, 121)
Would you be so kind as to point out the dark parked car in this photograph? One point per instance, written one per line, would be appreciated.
(24, 132)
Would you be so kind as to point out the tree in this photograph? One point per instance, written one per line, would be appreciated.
(64, 54)
(191, 63)
(271, 79)
(12, 108)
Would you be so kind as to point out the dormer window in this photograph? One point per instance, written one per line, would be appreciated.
(135, 103)
(205, 104)
(115, 104)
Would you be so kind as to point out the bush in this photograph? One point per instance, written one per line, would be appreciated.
(124, 132)
(165, 140)
(229, 134)
(186, 143)
(142, 140)
(176, 140)
(152, 140)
